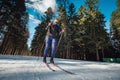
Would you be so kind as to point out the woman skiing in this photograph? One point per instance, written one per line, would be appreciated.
(53, 31)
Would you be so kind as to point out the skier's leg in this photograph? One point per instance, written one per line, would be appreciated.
(53, 49)
(47, 45)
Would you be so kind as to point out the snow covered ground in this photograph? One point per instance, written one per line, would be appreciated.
(29, 68)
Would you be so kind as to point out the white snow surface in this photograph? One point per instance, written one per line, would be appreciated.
(29, 68)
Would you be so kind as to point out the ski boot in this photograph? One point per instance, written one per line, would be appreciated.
(51, 61)
(44, 60)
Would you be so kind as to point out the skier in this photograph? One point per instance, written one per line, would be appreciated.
(53, 31)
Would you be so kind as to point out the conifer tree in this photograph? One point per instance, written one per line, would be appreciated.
(13, 21)
(92, 31)
(115, 27)
(71, 30)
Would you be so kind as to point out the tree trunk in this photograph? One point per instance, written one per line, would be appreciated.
(103, 52)
(97, 54)
(4, 43)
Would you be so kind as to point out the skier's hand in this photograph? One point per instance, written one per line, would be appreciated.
(63, 30)
(49, 24)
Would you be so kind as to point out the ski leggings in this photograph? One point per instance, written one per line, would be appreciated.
(50, 41)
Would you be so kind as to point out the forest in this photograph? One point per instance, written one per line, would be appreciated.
(85, 36)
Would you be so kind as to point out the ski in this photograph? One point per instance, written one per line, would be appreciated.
(49, 67)
(68, 72)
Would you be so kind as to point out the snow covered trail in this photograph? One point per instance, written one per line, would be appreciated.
(29, 68)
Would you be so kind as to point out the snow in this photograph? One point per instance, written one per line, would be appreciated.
(29, 68)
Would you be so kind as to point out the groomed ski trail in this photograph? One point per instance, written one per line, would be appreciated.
(29, 68)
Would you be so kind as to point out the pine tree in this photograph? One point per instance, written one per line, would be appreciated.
(99, 35)
(13, 21)
(115, 27)
(82, 38)
(72, 29)
(91, 31)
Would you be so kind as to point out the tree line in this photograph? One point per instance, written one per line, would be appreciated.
(85, 36)
(13, 30)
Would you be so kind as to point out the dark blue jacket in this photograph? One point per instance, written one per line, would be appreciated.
(53, 31)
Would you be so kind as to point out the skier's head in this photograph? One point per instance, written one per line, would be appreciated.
(55, 21)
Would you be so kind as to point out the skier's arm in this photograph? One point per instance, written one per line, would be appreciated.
(49, 24)
(61, 30)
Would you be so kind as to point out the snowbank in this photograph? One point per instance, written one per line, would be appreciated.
(29, 68)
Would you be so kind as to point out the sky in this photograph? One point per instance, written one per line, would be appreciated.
(37, 9)
(107, 7)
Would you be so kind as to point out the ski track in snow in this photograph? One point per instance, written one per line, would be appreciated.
(29, 68)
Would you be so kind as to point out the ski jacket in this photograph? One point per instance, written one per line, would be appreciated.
(53, 31)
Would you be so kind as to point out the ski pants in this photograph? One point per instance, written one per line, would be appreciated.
(50, 41)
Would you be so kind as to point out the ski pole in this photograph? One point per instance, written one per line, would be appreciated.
(59, 41)
(41, 49)
(42, 46)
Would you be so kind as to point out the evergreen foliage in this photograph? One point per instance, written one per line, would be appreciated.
(115, 27)
(85, 36)
(13, 19)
